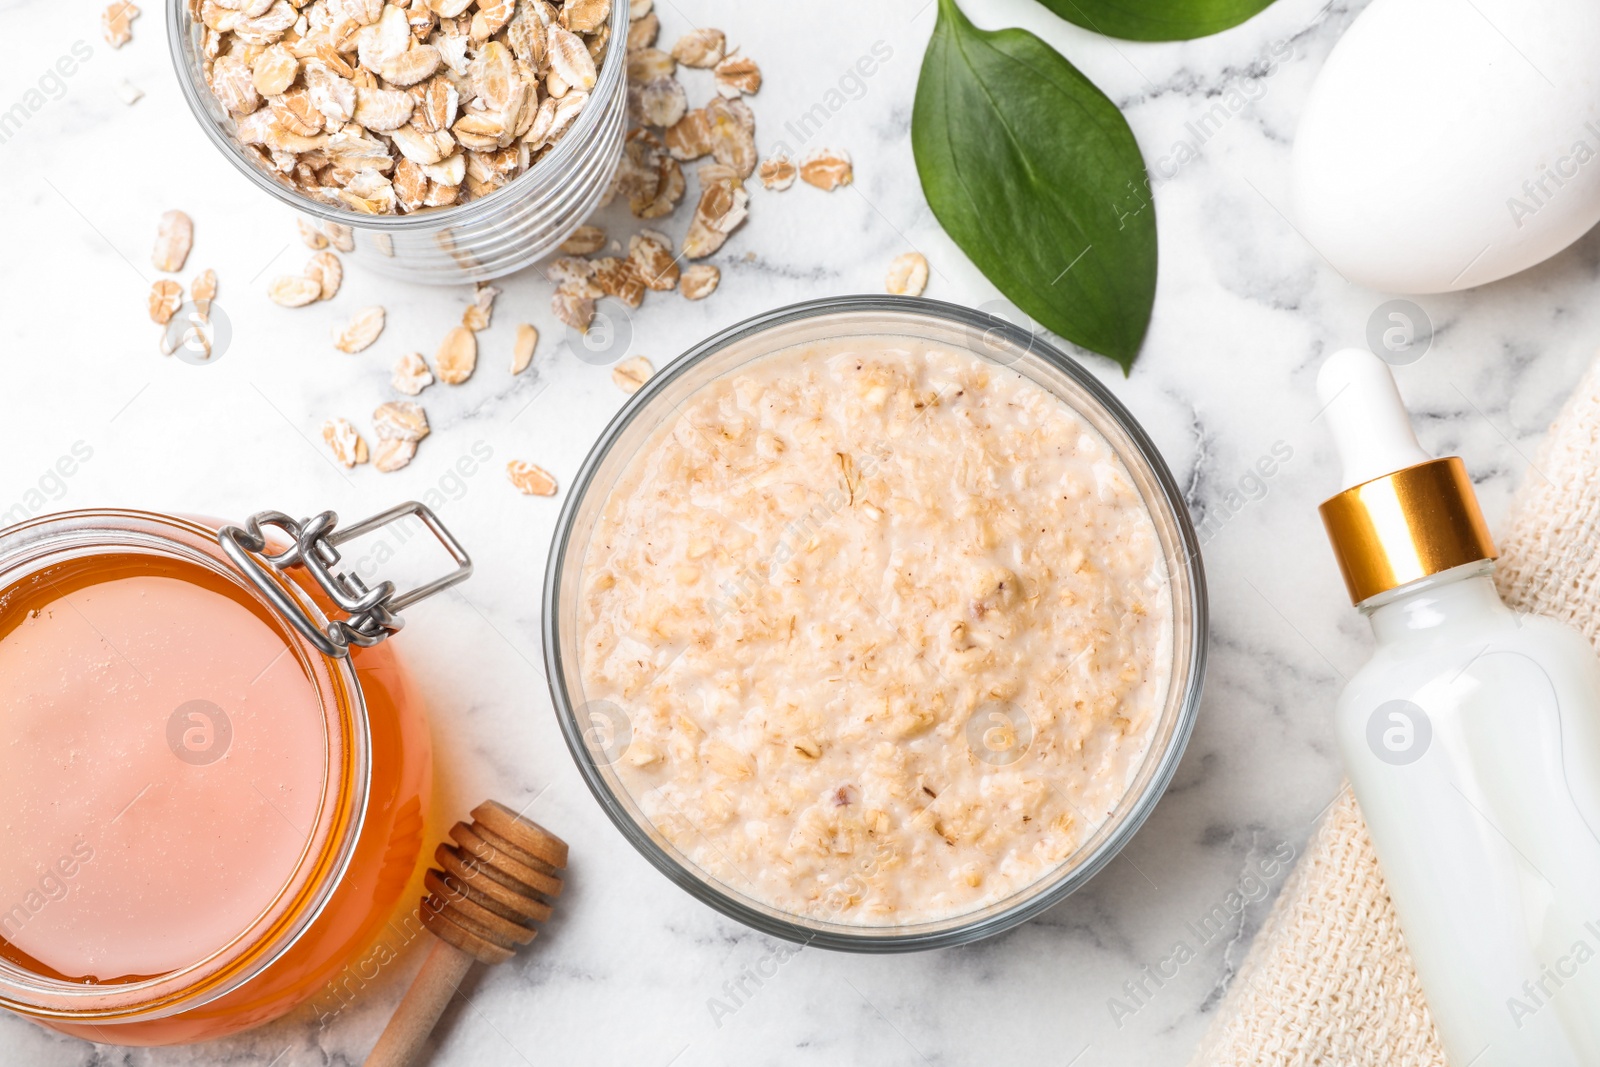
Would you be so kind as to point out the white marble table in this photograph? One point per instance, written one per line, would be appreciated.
(629, 970)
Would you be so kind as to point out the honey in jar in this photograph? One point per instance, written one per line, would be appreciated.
(214, 773)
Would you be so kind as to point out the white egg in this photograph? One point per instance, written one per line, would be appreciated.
(1450, 143)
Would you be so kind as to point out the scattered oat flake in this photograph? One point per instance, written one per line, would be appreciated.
(722, 209)
(202, 291)
(531, 480)
(174, 238)
(204, 286)
(392, 454)
(778, 173)
(738, 76)
(908, 275)
(638, 9)
(690, 137)
(457, 356)
(522, 353)
(313, 237)
(827, 169)
(585, 240)
(400, 420)
(573, 305)
(115, 23)
(733, 135)
(325, 269)
(619, 278)
(700, 48)
(662, 102)
(478, 315)
(348, 447)
(129, 93)
(631, 374)
(411, 375)
(361, 331)
(700, 281)
(653, 261)
(294, 290)
(166, 297)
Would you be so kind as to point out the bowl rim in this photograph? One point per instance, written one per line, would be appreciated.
(939, 933)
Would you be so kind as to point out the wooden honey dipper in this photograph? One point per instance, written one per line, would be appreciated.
(497, 881)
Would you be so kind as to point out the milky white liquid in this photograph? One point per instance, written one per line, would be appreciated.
(121, 858)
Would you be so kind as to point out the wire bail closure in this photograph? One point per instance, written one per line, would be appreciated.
(372, 613)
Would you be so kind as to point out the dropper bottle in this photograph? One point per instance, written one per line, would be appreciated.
(1472, 741)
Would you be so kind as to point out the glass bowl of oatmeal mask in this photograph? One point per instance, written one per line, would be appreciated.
(876, 624)
(442, 150)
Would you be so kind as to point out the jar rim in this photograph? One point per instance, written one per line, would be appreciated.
(341, 808)
(610, 79)
(1000, 341)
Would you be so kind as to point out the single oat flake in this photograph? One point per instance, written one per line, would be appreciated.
(202, 291)
(631, 374)
(908, 275)
(738, 75)
(347, 446)
(393, 453)
(531, 480)
(573, 305)
(457, 356)
(700, 48)
(585, 241)
(325, 269)
(778, 173)
(361, 331)
(522, 352)
(478, 315)
(722, 209)
(174, 238)
(115, 23)
(166, 297)
(690, 137)
(700, 281)
(411, 375)
(294, 290)
(400, 420)
(652, 258)
(827, 169)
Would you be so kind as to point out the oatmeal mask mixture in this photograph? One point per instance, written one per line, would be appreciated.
(890, 626)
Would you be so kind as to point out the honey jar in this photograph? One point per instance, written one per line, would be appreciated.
(214, 772)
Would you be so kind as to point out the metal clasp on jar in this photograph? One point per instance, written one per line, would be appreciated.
(372, 614)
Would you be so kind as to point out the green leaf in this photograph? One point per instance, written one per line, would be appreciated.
(1157, 20)
(1035, 174)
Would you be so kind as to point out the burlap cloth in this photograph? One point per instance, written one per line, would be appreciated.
(1328, 981)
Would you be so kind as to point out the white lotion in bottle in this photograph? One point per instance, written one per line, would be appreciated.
(1472, 741)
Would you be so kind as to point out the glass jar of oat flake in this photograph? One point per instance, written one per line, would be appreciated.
(477, 237)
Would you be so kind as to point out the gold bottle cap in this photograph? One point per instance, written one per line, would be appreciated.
(1417, 521)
